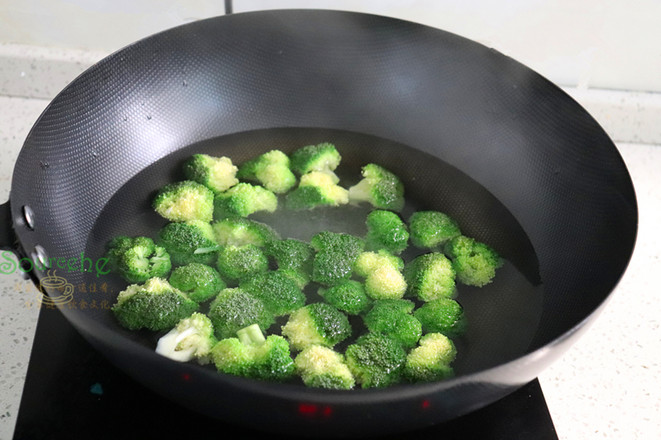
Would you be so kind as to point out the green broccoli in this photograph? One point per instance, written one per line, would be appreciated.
(375, 360)
(192, 338)
(291, 254)
(199, 281)
(239, 231)
(379, 187)
(271, 170)
(335, 256)
(322, 157)
(234, 309)
(386, 230)
(393, 318)
(442, 315)
(321, 367)
(300, 277)
(253, 356)
(317, 323)
(138, 259)
(239, 262)
(154, 305)
(184, 201)
(430, 229)
(348, 296)
(187, 242)
(280, 294)
(317, 188)
(474, 262)
(430, 276)
(382, 273)
(431, 360)
(244, 199)
(216, 173)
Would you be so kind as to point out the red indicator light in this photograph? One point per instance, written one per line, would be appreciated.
(425, 404)
(327, 411)
(307, 409)
(185, 376)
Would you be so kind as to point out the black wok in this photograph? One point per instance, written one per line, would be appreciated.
(471, 132)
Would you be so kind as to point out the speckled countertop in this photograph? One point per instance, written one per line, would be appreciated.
(606, 386)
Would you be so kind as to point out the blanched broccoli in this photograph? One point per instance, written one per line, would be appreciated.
(216, 173)
(244, 199)
(317, 188)
(393, 318)
(442, 315)
(430, 229)
(382, 273)
(138, 259)
(279, 293)
(322, 157)
(348, 296)
(431, 360)
(184, 201)
(234, 309)
(239, 231)
(430, 276)
(239, 262)
(379, 187)
(192, 338)
(386, 230)
(199, 281)
(155, 305)
(271, 170)
(253, 356)
(375, 360)
(299, 276)
(475, 263)
(335, 256)
(321, 367)
(291, 254)
(317, 323)
(189, 242)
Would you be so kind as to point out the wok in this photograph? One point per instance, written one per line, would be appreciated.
(470, 131)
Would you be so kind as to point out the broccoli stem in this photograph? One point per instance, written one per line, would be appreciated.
(251, 335)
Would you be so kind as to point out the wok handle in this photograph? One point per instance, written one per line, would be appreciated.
(7, 236)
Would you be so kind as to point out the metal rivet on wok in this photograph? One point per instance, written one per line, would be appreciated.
(41, 256)
(28, 216)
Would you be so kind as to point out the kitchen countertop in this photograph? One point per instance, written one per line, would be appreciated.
(605, 386)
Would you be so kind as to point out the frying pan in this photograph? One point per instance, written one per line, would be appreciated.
(470, 131)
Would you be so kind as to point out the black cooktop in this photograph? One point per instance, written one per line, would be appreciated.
(72, 392)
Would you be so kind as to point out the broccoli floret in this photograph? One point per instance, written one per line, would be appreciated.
(183, 201)
(317, 188)
(321, 367)
(244, 199)
(155, 305)
(234, 309)
(379, 187)
(271, 170)
(239, 262)
(348, 296)
(253, 356)
(280, 294)
(393, 318)
(216, 173)
(442, 315)
(375, 360)
(335, 256)
(382, 273)
(291, 254)
(321, 157)
(138, 259)
(431, 360)
(430, 276)
(192, 338)
(239, 231)
(386, 230)
(300, 277)
(199, 281)
(474, 262)
(317, 323)
(189, 242)
(430, 229)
